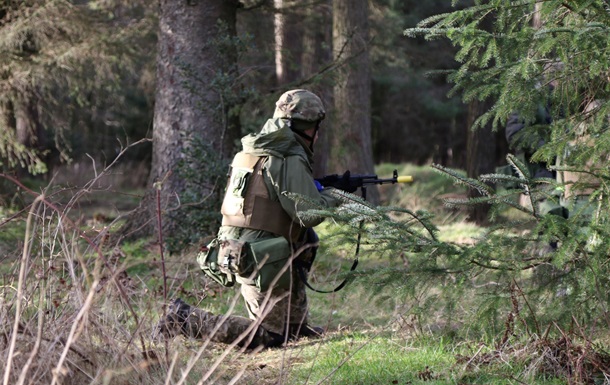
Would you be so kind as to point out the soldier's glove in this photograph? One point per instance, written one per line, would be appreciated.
(318, 185)
(344, 183)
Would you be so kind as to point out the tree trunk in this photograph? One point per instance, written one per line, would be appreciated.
(29, 131)
(288, 42)
(480, 146)
(317, 40)
(25, 139)
(302, 37)
(480, 157)
(351, 147)
(187, 105)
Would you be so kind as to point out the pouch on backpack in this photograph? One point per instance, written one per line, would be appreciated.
(233, 258)
(208, 261)
(271, 257)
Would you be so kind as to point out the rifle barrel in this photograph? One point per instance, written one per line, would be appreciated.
(363, 180)
(404, 179)
(397, 179)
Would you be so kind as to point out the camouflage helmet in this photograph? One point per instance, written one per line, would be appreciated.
(300, 105)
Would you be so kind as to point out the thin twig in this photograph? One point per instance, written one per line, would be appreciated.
(158, 186)
(39, 338)
(77, 327)
(64, 218)
(22, 272)
(528, 306)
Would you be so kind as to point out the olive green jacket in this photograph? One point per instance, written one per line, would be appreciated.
(288, 169)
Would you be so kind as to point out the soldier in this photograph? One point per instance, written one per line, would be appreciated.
(582, 182)
(264, 239)
(525, 144)
(524, 151)
(525, 148)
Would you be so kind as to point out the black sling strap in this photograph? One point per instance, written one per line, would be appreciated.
(303, 268)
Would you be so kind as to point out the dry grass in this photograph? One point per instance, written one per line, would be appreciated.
(70, 313)
(568, 357)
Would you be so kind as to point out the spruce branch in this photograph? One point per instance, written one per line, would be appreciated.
(460, 179)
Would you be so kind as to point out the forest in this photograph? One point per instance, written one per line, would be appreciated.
(118, 123)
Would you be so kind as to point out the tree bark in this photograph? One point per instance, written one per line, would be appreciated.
(29, 131)
(317, 40)
(480, 146)
(480, 157)
(190, 56)
(288, 42)
(351, 147)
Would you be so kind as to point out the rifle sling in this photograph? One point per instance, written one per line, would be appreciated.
(301, 270)
(301, 267)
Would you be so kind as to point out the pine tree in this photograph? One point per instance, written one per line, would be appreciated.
(559, 263)
(562, 61)
(61, 63)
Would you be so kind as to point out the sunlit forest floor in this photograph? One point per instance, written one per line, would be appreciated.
(86, 317)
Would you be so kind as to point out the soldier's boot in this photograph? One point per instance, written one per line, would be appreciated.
(197, 323)
(303, 330)
(174, 322)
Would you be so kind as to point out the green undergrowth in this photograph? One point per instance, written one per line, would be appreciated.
(373, 359)
(389, 358)
(372, 356)
(387, 326)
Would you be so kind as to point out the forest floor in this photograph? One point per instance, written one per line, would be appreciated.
(72, 331)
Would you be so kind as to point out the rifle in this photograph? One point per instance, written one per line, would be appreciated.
(350, 183)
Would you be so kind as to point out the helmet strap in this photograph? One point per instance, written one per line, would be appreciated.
(308, 137)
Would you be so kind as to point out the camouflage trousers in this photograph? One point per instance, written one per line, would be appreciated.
(281, 310)
(197, 323)
(275, 316)
(227, 329)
